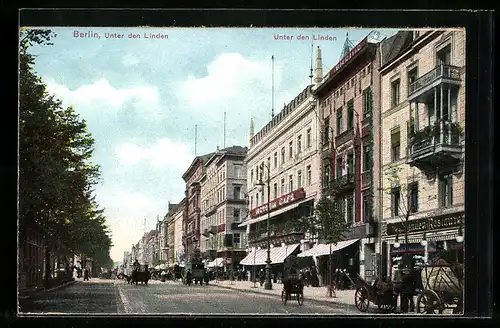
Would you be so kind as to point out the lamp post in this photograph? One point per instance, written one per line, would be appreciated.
(261, 184)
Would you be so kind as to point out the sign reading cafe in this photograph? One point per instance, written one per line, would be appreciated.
(426, 224)
(279, 202)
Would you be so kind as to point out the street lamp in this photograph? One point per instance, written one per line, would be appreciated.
(261, 184)
(460, 237)
(255, 249)
(397, 244)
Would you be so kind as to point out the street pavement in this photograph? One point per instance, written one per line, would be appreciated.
(99, 296)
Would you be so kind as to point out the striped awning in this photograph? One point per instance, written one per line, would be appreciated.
(324, 249)
(257, 257)
(218, 262)
(278, 255)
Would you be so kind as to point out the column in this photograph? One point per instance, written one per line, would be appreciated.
(362, 257)
(435, 107)
(441, 134)
(388, 263)
(416, 117)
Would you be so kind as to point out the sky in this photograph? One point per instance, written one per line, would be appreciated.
(142, 98)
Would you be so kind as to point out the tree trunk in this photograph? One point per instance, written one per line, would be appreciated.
(47, 266)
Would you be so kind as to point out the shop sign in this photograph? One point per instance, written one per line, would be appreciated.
(426, 224)
(348, 57)
(279, 202)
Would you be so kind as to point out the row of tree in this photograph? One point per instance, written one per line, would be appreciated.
(56, 176)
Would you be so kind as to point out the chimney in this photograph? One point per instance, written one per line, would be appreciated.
(318, 78)
(251, 128)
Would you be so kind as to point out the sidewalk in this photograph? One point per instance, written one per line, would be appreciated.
(28, 294)
(344, 297)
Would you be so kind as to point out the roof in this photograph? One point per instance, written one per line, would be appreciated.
(394, 45)
(197, 159)
(233, 150)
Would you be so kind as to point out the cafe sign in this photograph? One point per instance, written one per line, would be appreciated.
(279, 202)
(426, 224)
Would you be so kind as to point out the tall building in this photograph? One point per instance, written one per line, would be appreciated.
(223, 206)
(167, 232)
(175, 228)
(285, 154)
(348, 102)
(191, 226)
(423, 119)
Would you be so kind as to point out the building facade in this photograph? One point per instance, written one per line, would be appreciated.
(223, 206)
(191, 227)
(176, 243)
(348, 102)
(284, 156)
(423, 119)
(167, 233)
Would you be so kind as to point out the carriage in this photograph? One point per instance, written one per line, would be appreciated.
(140, 274)
(442, 287)
(293, 285)
(380, 293)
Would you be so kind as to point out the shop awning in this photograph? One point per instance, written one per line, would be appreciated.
(273, 214)
(279, 254)
(218, 262)
(257, 257)
(324, 249)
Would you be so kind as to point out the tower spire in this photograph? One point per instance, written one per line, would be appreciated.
(348, 46)
(251, 130)
(319, 67)
(272, 91)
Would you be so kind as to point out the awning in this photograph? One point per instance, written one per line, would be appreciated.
(218, 262)
(278, 255)
(324, 249)
(257, 257)
(273, 214)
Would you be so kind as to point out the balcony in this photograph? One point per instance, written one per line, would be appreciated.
(275, 236)
(440, 74)
(366, 179)
(439, 146)
(234, 226)
(344, 183)
(344, 137)
(210, 210)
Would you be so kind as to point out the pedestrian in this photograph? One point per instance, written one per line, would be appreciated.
(308, 277)
(261, 277)
(189, 277)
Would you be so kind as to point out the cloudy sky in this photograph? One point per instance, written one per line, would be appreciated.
(143, 97)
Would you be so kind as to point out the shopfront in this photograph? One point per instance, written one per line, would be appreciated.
(427, 237)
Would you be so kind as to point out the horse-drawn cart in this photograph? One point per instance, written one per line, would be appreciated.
(443, 287)
(141, 274)
(380, 293)
(293, 285)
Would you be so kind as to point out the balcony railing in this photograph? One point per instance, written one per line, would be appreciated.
(210, 210)
(344, 182)
(365, 179)
(439, 145)
(345, 136)
(440, 71)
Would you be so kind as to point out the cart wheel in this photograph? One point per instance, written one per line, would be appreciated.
(361, 299)
(300, 298)
(387, 308)
(429, 303)
(284, 296)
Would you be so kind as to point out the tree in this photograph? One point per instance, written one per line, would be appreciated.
(55, 173)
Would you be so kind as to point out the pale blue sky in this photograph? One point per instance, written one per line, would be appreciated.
(143, 97)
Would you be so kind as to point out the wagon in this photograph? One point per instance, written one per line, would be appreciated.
(141, 274)
(293, 286)
(443, 287)
(380, 293)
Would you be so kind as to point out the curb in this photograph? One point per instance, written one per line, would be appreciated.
(322, 302)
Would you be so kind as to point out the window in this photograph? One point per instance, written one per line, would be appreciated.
(262, 201)
(290, 183)
(350, 163)
(395, 200)
(395, 93)
(269, 163)
(236, 215)
(282, 155)
(308, 138)
(290, 149)
(236, 238)
(366, 158)
(350, 114)
(326, 176)
(412, 76)
(339, 167)
(257, 176)
(251, 201)
(444, 56)
(413, 197)
(275, 189)
(237, 171)
(339, 121)
(395, 144)
(367, 102)
(283, 191)
(299, 179)
(256, 199)
(366, 208)
(326, 130)
(275, 159)
(299, 144)
(446, 190)
(237, 191)
(350, 210)
(309, 175)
